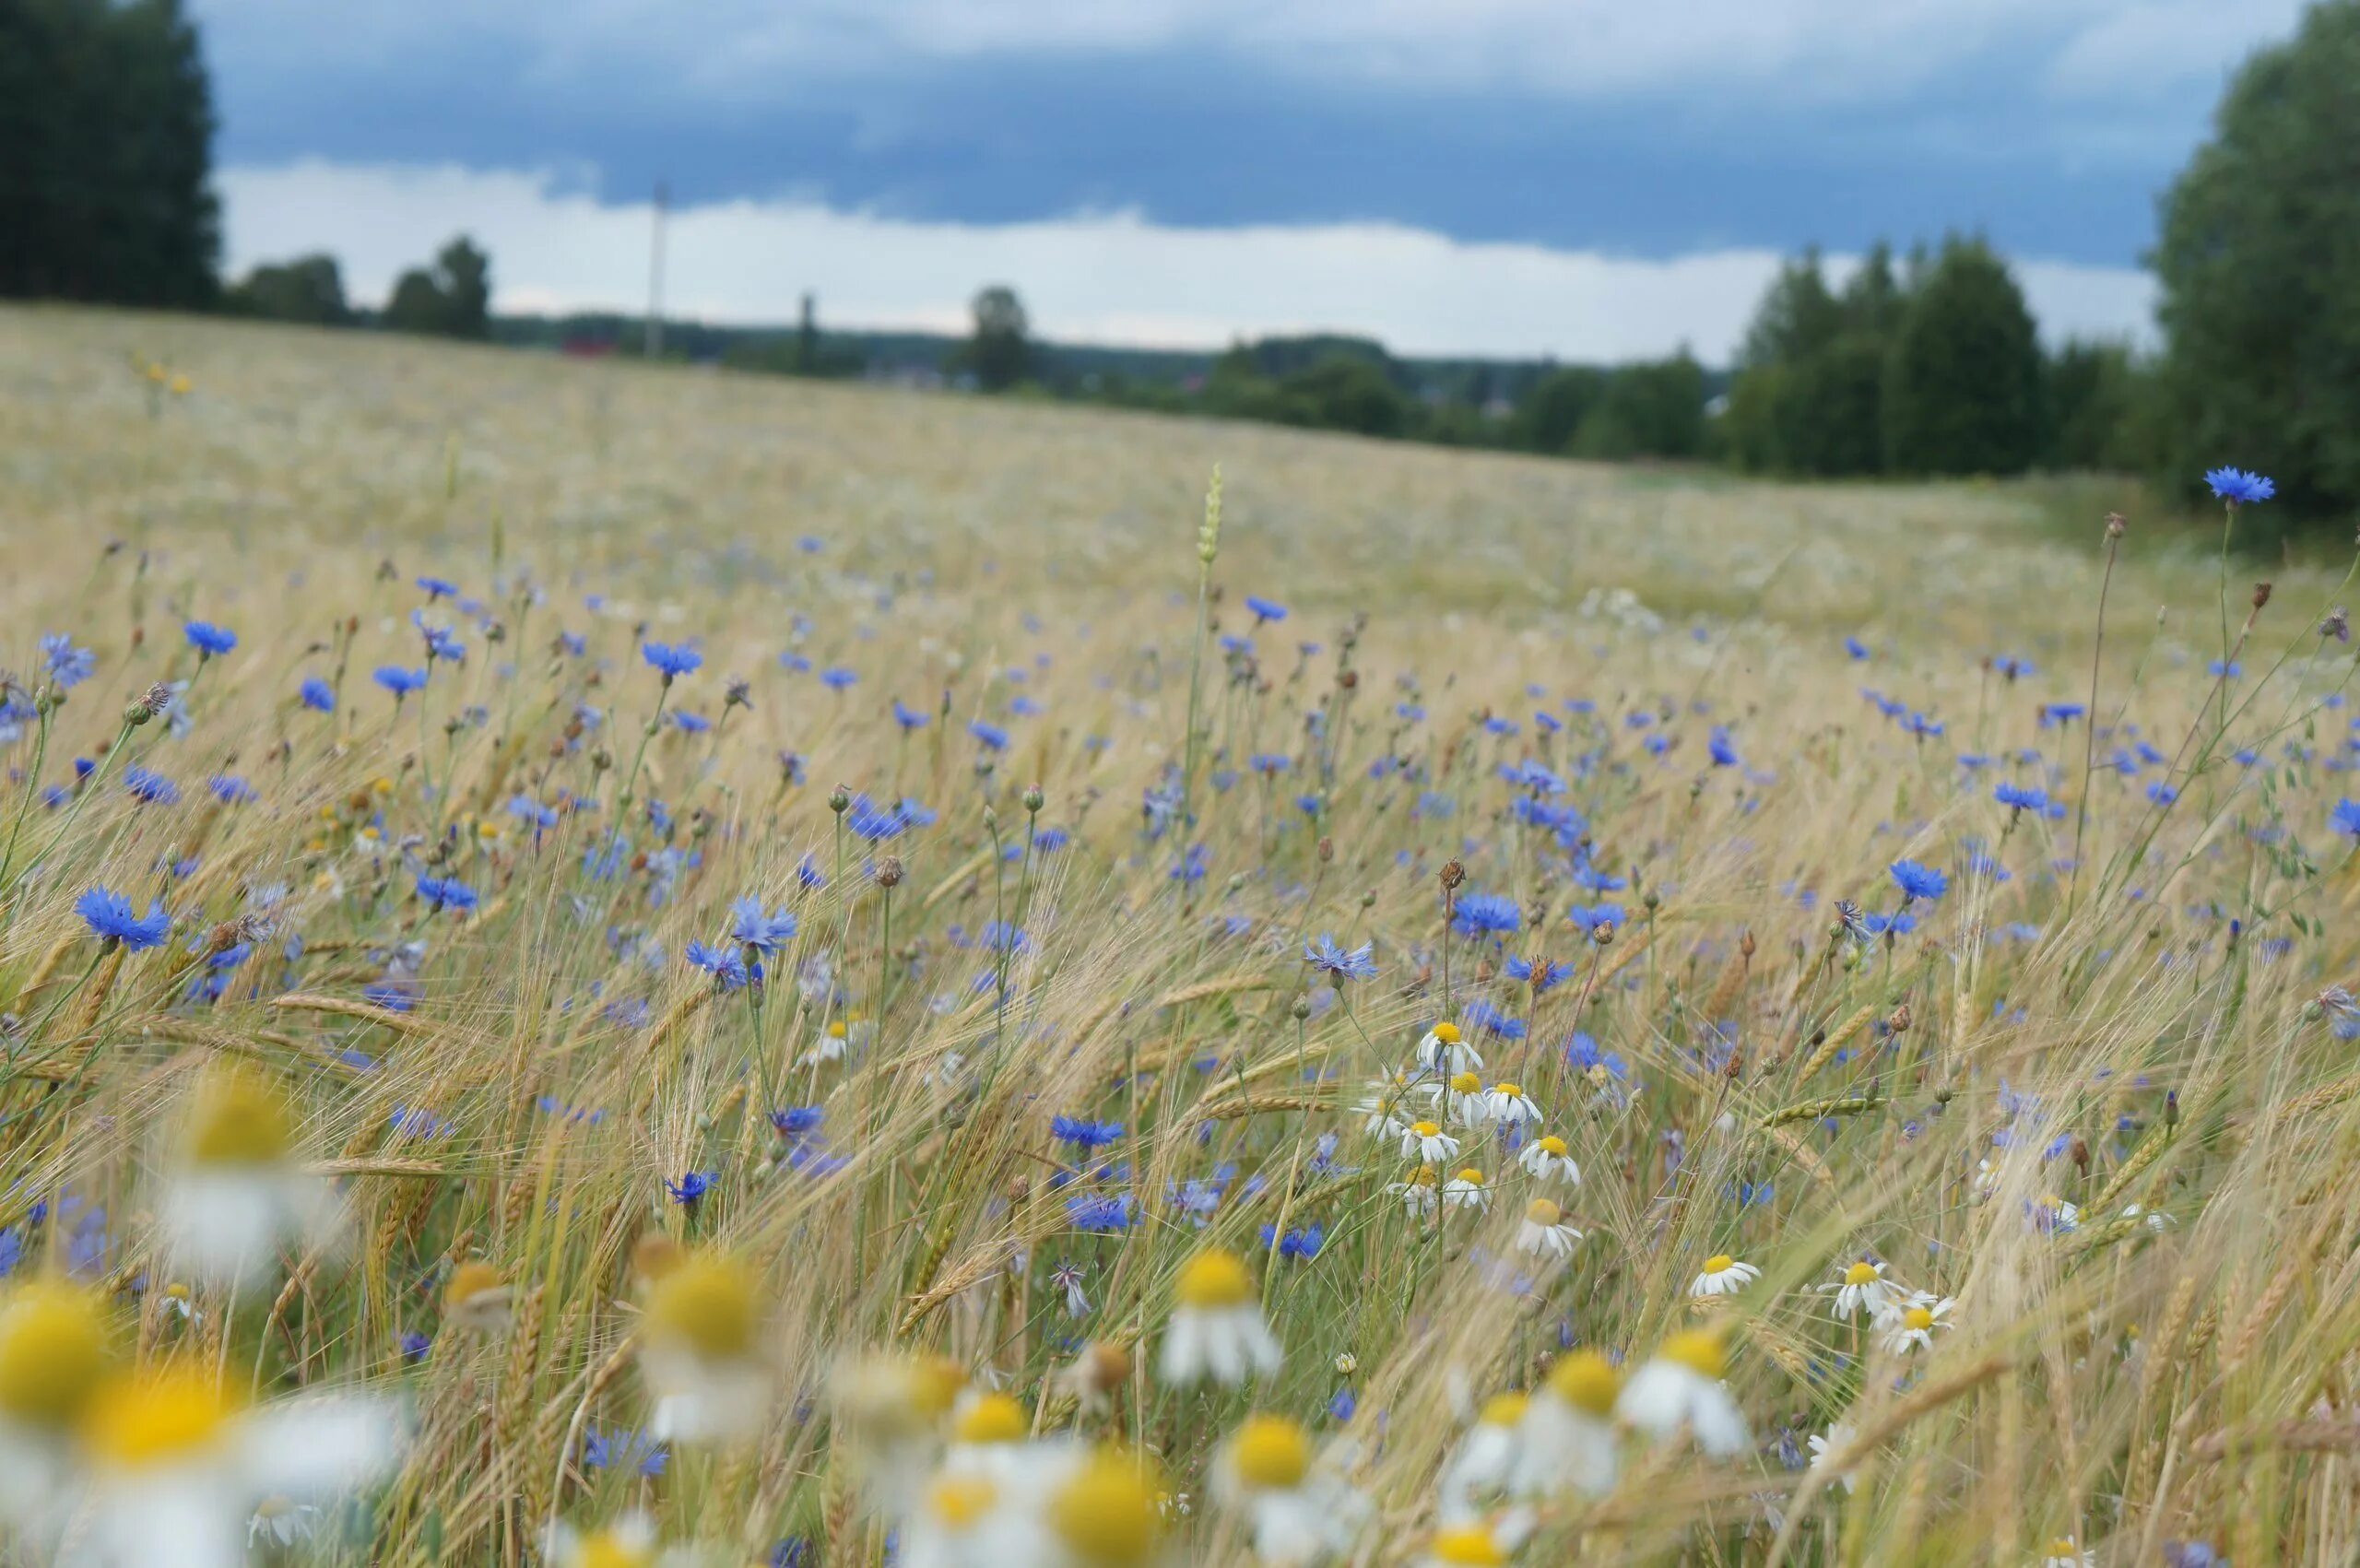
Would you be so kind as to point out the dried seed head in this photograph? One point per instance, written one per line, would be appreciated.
(2115, 524)
(2260, 594)
(889, 872)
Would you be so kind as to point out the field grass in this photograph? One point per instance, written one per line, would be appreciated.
(452, 984)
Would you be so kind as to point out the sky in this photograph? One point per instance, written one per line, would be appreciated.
(1592, 179)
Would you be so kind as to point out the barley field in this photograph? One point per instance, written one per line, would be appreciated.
(606, 965)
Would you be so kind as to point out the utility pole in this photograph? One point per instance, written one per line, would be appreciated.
(656, 276)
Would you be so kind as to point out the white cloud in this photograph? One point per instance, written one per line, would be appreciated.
(1093, 277)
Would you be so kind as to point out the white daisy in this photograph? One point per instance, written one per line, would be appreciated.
(235, 1193)
(1466, 1103)
(1299, 1512)
(1215, 1327)
(1568, 1433)
(1864, 1289)
(1478, 1472)
(2052, 1214)
(1681, 1388)
(1485, 1545)
(1420, 1194)
(1835, 1440)
(2065, 1552)
(1548, 1159)
(1723, 1276)
(1509, 1106)
(1911, 1326)
(1428, 1143)
(700, 1355)
(281, 1522)
(1467, 1190)
(1444, 1054)
(1387, 1102)
(1545, 1232)
(629, 1542)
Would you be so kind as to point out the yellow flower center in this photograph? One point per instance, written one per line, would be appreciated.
(707, 1303)
(836, 1030)
(990, 1418)
(2063, 1547)
(1504, 1410)
(1271, 1451)
(1719, 1263)
(960, 1501)
(1447, 1033)
(238, 1120)
(1466, 1083)
(1861, 1274)
(468, 1284)
(1509, 1089)
(1587, 1381)
(1919, 1318)
(1465, 1547)
(1215, 1279)
(1106, 1514)
(1426, 1129)
(1698, 1350)
(1540, 1211)
(1423, 1176)
(53, 1352)
(154, 1419)
(1472, 1176)
(609, 1549)
(1553, 1146)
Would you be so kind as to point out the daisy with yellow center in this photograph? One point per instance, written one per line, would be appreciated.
(1467, 1190)
(1388, 1103)
(1723, 1276)
(1421, 1194)
(1299, 1514)
(990, 1438)
(2053, 1214)
(1476, 1475)
(2066, 1552)
(1510, 1106)
(1215, 1327)
(701, 1354)
(1568, 1432)
(629, 1542)
(1548, 1158)
(1545, 1232)
(1104, 1515)
(1485, 1545)
(1862, 1287)
(1428, 1143)
(1680, 1389)
(1910, 1326)
(1443, 1052)
(235, 1193)
(476, 1297)
(1830, 1445)
(1464, 1099)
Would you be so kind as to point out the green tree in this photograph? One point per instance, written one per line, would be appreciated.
(2099, 399)
(999, 352)
(308, 289)
(1963, 384)
(1553, 409)
(1652, 409)
(1348, 394)
(452, 299)
(106, 137)
(1797, 317)
(2258, 259)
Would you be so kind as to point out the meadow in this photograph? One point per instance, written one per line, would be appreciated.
(609, 964)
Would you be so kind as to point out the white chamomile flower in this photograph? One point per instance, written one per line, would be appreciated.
(1510, 1106)
(2155, 1219)
(1428, 1143)
(890, 1411)
(1988, 1175)
(1568, 1433)
(1466, 1103)
(1299, 1514)
(1679, 1388)
(1480, 1468)
(1911, 1327)
(2053, 1214)
(1387, 1102)
(53, 1353)
(281, 1522)
(1215, 1327)
(1723, 1276)
(699, 1354)
(1445, 1054)
(1545, 1232)
(1864, 1289)
(176, 1299)
(988, 1435)
(1550, 1161)
(2066, 1552)
(629, 1542)
(235, 1193)
(1105, 1511)
(1467, 1190)
(968, 1519)
(1420, 1195)
(1825, 1445)
(1485, 1545)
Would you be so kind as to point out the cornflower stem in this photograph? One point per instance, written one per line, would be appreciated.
(2090, 724)
(91, 788)
(33, 788)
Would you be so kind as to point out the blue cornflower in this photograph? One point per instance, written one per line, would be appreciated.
(671, 660)
(415, 1346)
(838, 679)
(2346, 818)
(151, 787)
(413, 1121)
(1916, 881)
(1342, 1406)
(112, 919)
(1854, 646)
(690, 1189)
(209, 638)
(65, 664)
(2022, 798)
(232, 790)
(437, 588)
(2238, 487)
(999, 937)
(1723, 748)
(2162, 793)
(748, 926)
(1590, 916)
(1486, 915)
(1302, 1243)
(695, 724)
(1101, 1214)
(446, 892)
(726, 965)
(1540, 973)
(1084, 1133)
(908, 717)
(441, 643)
(874, 822)
(526, 808)
(797, 1122)
(1265, 609)
(317, 695)
(993, 737)
(399, 681)
(618, 1448)
(1358, 963)
(1193, 865)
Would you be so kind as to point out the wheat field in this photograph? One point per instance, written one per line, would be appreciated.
(607, 965)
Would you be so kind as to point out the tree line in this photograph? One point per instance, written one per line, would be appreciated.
(1924, 363)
